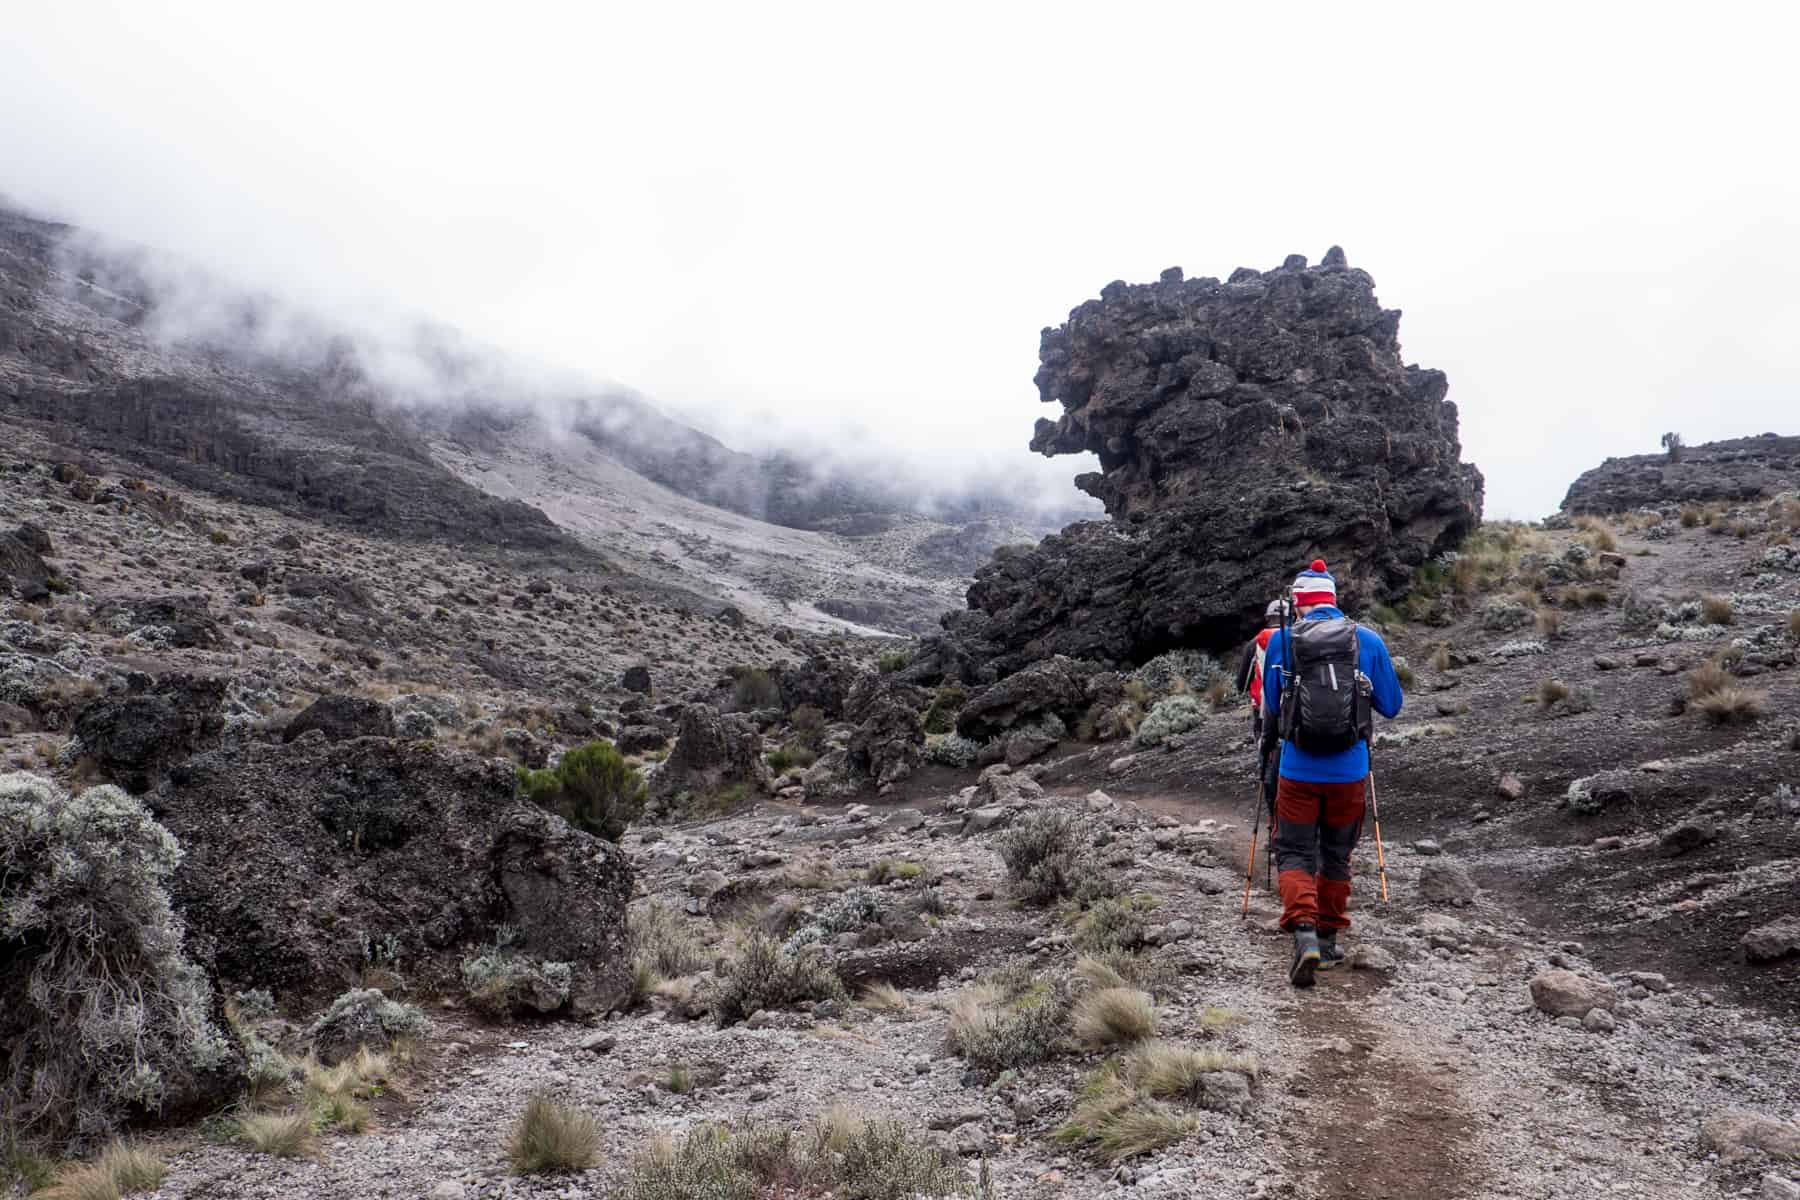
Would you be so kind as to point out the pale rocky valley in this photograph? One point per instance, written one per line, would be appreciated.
(511, 792)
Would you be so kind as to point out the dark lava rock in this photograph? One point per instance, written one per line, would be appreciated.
(134, 738)
(347, 593)
(641, 739)
(341, 717)
(1751, 468)
(889, 742)
(1243, 429)
(293, 853)
(1056, 686)
(712, 750)
(187, 618)
(636, 679)
(1690, 834)
(823, 683)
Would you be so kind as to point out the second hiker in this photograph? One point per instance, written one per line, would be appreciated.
(1323, 680)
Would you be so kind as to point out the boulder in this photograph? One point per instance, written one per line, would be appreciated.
(889, 742)
(1690, 834)
(299, 856)
(1777, 940)
(1738, 1133)
(134, 737)
(22, 556)
(1446, 881)
(184, 622)
(339, 717)
(1733, 471)
(712, 751)
(1242, 429)
(1055, 687)
(641, 739)
(636, 679)
(1566, 994)
(345, 593)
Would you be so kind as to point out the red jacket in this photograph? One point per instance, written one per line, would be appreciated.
(1256, 671)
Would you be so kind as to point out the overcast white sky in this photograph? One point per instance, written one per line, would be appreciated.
(860, 216)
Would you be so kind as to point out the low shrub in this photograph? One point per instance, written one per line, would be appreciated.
(101, 1012)
(591, 787)
(1170, 717)
(791, 755)
(1549, 623)
(1717, 610)
(661, 938)
(952, 750)
(550, 1138)
(886, 870)
(996, 1032)
(1793, 625)
(1121, 968)
(1048, 856)
(763, 975)
(364, 1017)
(753, 688)
(1113, 925)
(1705, 679)
(894, 660)
(502, 983)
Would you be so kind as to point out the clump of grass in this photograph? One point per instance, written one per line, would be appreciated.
(1169, 1069)
(1405, 674)
(660, 938)
(884, 997)
(1220, 694)
(680, 1080)
(335, 1096)
(1114, 1121)
(791, 755)
(946, 702)
(1121, 968)
(1717, 610)
(1550, 690)
(1690, 518)
(550, 1138)
(886, 870)
(1113, 1016)
(1440, 657)
(122, 1169)
(1549, 623)
(282, 1135)
(1731, 705)
(1707, 679)
(1793, 625)
(1114, 924)
(894, 660)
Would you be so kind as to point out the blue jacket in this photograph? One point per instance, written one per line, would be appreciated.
(1347, 766)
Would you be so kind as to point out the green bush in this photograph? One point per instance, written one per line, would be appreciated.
(364, 1017)
(101, 1013)
(503, 984)
(1177, 714)
(592, 787)
(753, 688)
(945, 704)
(791, 755)
(894, 660)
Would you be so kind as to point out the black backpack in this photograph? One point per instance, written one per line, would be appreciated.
(1326, 701)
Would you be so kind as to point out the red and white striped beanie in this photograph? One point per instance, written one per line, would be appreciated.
(1315, 586)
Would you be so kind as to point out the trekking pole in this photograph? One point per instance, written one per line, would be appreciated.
(1380, 853)
(1250, 867)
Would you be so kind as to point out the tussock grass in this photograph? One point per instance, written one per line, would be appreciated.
(996, 1032)
(1550, 690)
(664, 940)
(1549, 623)
(122, 1169)
(887, 870)
(550, 1138)
(1717, 610)
(1165, 1069)
(1115, 1122)
(884, 997)
(1440, 657)
(1793, 625)
(1706, 679)
(282, 1135)
(1731, 705)
(1114, 1016)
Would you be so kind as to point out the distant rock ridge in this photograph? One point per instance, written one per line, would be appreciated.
(1243, 428)
(1752, 468)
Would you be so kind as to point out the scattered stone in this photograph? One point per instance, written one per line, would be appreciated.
(1225, 1091)
(1774, 1187)
(1565, 994)
(449, 1189)
(342, 717)
(1612, 842)
(1690, 834)
(1598, 1020)
(599, 1043)
(1649, 981)
(1373, 958)
(1511, 787)
(1428, 847)
(1738, 1133)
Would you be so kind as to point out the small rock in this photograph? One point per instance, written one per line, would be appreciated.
(449, 1189)
(1649, 981)
(1225, 1091)
(1690, 834)
(1774, 941)
(1565, 994)
(973, 1141)
(1609, 843)
(980, 820)
(599, 1043)
(956, 1118)
(1372, 958)
(1098, 801)
(1511, 787)
(1446, 881)
(1774, 1187)
(1177, 931)
(1604, 663)
(1736, 1133)
(1598, 1020)
(1428, 847)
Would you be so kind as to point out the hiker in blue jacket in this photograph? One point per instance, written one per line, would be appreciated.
(1333, 672)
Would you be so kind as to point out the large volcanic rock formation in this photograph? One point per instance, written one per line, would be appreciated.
(1754, 468)
(1243, 428)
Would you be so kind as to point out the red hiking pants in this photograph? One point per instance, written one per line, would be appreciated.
(1317, 825)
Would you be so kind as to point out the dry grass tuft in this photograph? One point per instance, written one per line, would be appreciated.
(1550, 690)
(122, 1169)
(1165, 1069)
(884, 997)
(551, 1138)
(1706, 679)
(283, 1135)
(1731, 705)
(1794, 625)
(1549, 623)
(1717, 610)
(1116, 1122)
(1114, 1016)
(1440, 657)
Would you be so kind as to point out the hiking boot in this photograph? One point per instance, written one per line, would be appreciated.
(1306, 956)
(1329, 953)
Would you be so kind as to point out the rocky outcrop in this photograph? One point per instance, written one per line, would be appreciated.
(180, 622)
(308, 862)
(1243, 428)
(889, 742)
(341, 717)
(135, 737)
(712, 752)
(1055, 687)
(1742, 469)
(22, 564)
